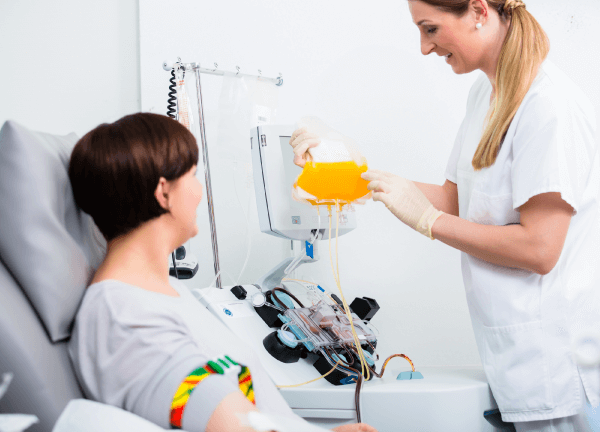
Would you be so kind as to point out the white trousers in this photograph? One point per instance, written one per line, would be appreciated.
(576, 423)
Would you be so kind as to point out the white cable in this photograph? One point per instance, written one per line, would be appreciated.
(319, 223)
(314, 296)
(271, 305)
(372, 327)
(314, 237)
(285, 280)
(297, 261)
(294, 264)
(215, 279)
(217, 276)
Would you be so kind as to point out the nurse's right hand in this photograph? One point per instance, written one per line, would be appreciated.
(357, 427)
(404, 199)
(301, 141)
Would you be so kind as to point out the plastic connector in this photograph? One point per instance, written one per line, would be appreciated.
(287, 338)
(369, 358)
(336, 377)
(180, 253)
(281, 351)
(410, 375)
(337, 300)
(364, 307)
(239, 292)
(310, 250)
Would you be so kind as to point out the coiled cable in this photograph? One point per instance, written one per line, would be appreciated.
(172, 100)
(172, 112)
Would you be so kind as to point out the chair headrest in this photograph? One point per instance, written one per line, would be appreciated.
(49, 245)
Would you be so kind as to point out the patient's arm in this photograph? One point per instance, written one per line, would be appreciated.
(357, 427)
(226, 418)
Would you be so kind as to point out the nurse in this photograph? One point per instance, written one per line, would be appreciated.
(521, 203)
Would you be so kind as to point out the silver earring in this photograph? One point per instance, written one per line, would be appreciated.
(478, 26)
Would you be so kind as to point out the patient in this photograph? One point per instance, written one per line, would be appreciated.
(141, 341)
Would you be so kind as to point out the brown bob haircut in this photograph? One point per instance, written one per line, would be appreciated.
(115, 169)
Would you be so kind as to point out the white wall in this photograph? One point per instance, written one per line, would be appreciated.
(358, 66)
(68, 66)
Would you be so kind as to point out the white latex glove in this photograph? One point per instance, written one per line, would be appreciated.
(301, 141)
(404, 199)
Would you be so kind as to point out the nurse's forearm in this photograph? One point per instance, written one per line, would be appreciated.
(442, 197)
(507, 246)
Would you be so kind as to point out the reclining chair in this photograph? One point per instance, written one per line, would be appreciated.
(48, 253)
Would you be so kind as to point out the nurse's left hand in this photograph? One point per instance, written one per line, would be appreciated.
(301, 141)
(404, 199)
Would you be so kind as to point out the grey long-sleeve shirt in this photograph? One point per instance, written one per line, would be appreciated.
(131, 348)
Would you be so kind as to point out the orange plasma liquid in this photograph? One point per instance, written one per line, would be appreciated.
(334, 181)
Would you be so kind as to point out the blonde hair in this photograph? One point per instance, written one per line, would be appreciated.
(525, 48)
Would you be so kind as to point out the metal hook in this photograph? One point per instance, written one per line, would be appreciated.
(179, 66)
(238, 70)
(260, 72)
(216, 67)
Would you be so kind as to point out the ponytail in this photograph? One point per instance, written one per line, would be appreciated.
(525, 48)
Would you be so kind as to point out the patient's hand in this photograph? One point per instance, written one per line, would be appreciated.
(356, 427)
(224, 419)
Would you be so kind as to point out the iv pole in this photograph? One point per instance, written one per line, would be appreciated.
(195, 67)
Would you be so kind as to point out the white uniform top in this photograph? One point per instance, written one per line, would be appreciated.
(131, 348)
(523, 322)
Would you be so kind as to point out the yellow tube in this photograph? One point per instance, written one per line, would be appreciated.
(336, 276)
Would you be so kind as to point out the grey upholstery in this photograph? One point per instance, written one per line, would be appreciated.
(48, 251)
(44, 381)
(45, 241)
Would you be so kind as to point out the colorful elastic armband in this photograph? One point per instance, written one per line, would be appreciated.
(220, 366)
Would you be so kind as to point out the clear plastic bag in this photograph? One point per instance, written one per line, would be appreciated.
(184, 107)
(333, 173)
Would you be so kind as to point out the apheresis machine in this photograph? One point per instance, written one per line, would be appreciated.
(320, 350)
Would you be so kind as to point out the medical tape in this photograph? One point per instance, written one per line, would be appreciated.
(219, 366)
